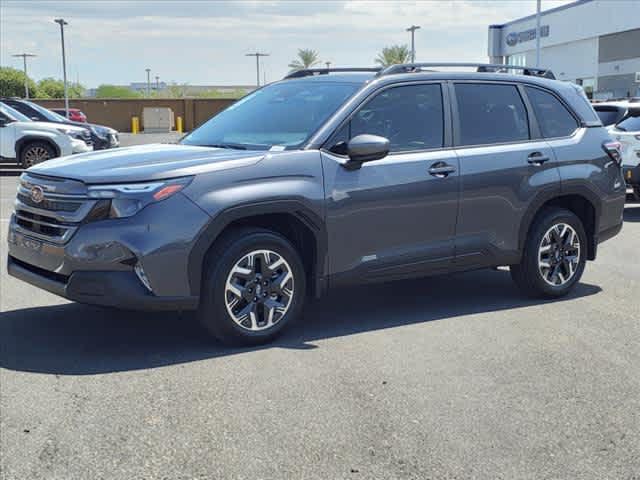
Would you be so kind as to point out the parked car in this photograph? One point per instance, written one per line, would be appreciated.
(75, 114)
(30, 143)
(627, 132)
(611, 113)
(328, 179)
(102, 137)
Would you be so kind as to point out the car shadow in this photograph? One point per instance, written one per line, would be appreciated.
(74, 339)
(632, 210)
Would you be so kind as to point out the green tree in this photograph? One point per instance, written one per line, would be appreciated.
(393, 55)
(116, 91)
(307, 58)
(12, 83)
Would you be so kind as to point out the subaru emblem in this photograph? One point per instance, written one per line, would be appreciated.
(37, 194)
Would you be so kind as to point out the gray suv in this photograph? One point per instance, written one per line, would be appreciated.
(330, 177)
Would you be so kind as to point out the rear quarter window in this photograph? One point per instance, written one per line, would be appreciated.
(554, 119)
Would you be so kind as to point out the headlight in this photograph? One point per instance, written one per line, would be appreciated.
(125, 200)
(72, 133)
(100, 131)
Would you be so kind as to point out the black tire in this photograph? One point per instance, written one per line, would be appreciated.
(36, 152)
(221, 259)
(528, 275)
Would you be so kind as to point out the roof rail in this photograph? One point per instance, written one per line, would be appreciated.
(308, 72)
(480, 67)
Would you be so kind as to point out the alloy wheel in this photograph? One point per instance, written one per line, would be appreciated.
(559, 254)
(35, 155)
(259, 290)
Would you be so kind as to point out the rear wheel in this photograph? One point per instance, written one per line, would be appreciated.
(36, 152)
(554, 257)
(253, 286)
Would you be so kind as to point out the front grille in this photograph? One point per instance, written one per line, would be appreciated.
(51, 209)
(50, 204)
(40, 224)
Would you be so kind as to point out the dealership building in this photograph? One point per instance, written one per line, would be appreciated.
(594, 43)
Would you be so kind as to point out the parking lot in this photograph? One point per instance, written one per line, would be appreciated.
(455, 377)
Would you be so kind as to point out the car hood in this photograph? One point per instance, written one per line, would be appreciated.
(52, 126)
(145, 162)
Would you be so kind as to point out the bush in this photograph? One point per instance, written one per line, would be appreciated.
(115, 91)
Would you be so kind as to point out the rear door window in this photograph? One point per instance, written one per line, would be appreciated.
(490, 113)
(554, 119)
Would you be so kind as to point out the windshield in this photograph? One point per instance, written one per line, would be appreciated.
(13, 114)
(282, 115)
(609, 115)
(631, 123)
(48, 114)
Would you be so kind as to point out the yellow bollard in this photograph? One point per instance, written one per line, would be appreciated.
(135, 125)
(179, 124)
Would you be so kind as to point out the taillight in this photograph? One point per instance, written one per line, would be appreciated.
(614, 150)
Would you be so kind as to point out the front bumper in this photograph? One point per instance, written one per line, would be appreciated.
(95, 265)
(110, 141)
(79, 146)
(631, 175)
(110, 289)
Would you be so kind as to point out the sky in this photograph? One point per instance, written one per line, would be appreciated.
(204, 42)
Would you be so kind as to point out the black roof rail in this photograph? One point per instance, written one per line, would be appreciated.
(308, 72)
(480, 67)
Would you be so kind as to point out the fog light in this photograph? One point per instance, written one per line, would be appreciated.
(142, 276)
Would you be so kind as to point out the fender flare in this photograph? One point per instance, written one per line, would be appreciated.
(34, 138)
(210, 233)
(551, 193)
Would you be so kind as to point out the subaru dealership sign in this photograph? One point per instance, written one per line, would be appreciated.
(515, 38)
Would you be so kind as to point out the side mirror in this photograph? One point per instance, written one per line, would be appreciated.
(366, 148)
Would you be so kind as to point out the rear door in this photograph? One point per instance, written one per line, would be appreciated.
(394, 217)
(504, 164)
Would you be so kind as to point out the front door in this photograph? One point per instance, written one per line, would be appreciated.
(394, 217)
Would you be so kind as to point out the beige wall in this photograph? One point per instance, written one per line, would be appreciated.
(117, 113)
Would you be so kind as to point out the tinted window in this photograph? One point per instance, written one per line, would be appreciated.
(631, 123)
(411, 117)
(554, 119)
(491, 114)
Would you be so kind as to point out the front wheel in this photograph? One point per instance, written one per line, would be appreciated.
(253, 286)
(36, 152)
(554, 256)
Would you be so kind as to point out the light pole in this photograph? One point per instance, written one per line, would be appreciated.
(26, 78)
(62, 23)
(257, 55)
(538, 6)
(157, 83)
(413, 29)
(328, 64)
(148, 70)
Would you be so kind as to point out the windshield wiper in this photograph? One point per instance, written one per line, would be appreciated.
(232, 146)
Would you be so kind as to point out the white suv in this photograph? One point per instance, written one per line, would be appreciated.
(627, 132)
(30, 142)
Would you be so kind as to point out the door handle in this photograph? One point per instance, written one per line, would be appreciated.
(537, 158)
(441, 169)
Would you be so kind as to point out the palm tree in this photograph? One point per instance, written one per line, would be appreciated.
(393, 55)
(307, 58)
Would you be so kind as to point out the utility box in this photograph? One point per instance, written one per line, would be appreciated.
(157, 119)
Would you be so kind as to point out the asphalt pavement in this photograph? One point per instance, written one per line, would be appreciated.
(455, 377)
